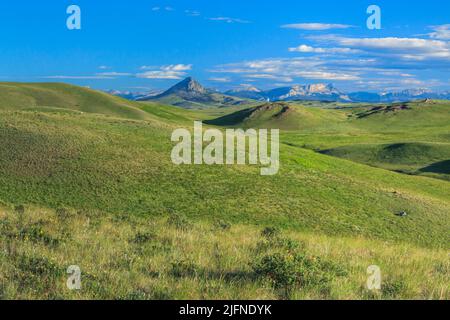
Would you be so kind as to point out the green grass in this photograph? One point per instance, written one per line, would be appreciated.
(283, 116)
(131, 257)
(124, 166)
(110, 165)
(63, 97)
(411, 158)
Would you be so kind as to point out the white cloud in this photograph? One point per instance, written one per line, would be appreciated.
(173, 71)
(228, 20)
(440, 32)
(269, 77)
(114, 74)
(414, 49)
(220, 79)
(315, 26)
(321, 75)
(286, 70)
(308, 49)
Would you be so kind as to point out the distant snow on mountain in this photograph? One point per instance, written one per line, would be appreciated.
(318, 91)
(327, 92)
(190, 89)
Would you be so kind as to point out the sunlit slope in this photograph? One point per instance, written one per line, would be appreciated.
(284, 116)
(65, 97)
(417, 158)
(418, 115)
(124, 166)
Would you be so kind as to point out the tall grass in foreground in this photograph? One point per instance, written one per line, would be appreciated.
(130, 257)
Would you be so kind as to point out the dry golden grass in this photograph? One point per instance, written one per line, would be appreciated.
(129, 257)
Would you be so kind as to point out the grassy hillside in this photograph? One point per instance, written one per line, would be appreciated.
(412, 158)
(408, 137)
(283, 116)
(123, 166)
(64, 97)
(171, 257)
(99, 189)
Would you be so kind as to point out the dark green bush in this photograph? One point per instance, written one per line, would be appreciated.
(287, 271)
(394, 288)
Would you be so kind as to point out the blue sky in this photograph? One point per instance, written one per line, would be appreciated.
(141, 45)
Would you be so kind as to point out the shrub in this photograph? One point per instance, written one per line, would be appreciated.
(289, 270)
(281, 271)
(394, 288)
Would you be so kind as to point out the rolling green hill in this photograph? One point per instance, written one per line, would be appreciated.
(64, 97)
(81, 170)
(410, 138)
(412, 158)
(280, 115)
(123, 166)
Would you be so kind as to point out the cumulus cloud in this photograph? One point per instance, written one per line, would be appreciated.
(173, 71)
(412, 49)
(287, 70)
(315, 26)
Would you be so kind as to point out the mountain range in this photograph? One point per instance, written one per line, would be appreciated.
(189, 93)
(327, 92)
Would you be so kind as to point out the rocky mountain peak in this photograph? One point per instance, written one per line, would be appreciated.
(188, 85)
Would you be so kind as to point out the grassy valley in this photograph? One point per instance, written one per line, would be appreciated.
(87, 179)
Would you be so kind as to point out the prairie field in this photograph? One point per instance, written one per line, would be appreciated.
(86, 179)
